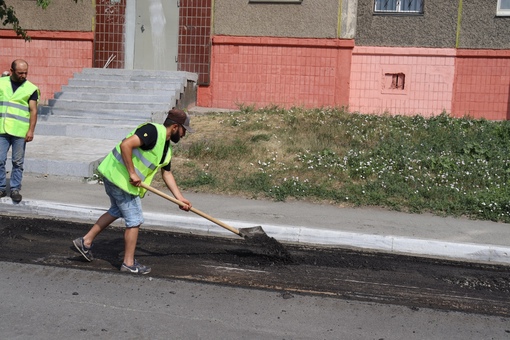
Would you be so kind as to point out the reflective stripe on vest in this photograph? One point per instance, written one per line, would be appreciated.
(146, 163)
(137, 154)
(11, 116)
(14, 107)
(17, 106)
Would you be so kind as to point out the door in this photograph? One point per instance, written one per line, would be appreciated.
(156, 35)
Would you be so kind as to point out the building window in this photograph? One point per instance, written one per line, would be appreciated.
(503, 8)
(401, 6)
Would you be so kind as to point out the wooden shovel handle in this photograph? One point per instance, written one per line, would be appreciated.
(196, 211)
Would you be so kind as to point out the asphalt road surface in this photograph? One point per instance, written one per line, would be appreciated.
(346, 275)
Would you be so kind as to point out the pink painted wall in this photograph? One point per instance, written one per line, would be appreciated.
(263, 71)
(482, 84)
(311, 73)
(52, 57)
(428, 87)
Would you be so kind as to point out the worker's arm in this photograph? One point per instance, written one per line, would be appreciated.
(169, 180)
(126, 148)
(32, 108)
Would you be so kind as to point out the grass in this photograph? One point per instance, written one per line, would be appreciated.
(444, 165)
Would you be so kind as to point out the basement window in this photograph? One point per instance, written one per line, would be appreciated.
(400, 6)
(394, 83)
(503, 8)
(397, 80)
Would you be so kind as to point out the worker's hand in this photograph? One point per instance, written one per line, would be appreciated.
(135, 180)
(187, 207)
(29, 137)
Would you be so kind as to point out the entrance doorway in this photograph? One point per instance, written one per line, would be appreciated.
(156, 35)
(120, 43)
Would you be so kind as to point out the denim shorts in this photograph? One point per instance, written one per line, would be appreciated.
(124, 205)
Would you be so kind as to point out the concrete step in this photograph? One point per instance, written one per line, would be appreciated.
(79, 129)
(64, 156)
(168, 97)
(170, 88)
(115, 97)
(99, 114)
(92, 105)
(146, 73)
(128, 85)
(169, 78)
(107, 118)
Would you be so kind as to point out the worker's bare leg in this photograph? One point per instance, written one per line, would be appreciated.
(104, 221)
(130, 239)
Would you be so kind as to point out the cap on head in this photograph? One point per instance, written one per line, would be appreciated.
(179, 117)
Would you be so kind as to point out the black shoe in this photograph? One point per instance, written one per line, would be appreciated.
(16, 196)
(3, 193)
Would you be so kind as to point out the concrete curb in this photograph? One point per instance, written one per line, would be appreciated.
(486, 253)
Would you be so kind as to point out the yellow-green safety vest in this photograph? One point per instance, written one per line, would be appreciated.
(14, 110)
(146, 163)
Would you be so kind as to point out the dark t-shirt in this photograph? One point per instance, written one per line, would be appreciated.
(148, 134)
(15, 86)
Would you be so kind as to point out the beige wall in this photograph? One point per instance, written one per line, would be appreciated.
(61, 15)
(309, 19)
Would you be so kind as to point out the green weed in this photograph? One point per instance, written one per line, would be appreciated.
(445, 165)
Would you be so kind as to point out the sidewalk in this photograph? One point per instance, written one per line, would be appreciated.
(72, 199)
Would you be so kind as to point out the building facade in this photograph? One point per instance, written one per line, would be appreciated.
(62, 42)
(372, 56)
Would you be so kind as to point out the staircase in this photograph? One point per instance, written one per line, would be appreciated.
(96, 110)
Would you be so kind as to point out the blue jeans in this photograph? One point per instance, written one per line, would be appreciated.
(18, 157)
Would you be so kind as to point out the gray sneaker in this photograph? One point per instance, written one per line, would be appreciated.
(3, 193)
(136, 268)
(84, 251)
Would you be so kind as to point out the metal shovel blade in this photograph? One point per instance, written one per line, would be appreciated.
(252, 232)
(271, 247)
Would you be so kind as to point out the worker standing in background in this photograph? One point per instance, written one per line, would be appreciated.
(18, 117)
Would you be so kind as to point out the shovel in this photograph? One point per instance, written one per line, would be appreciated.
(254, 235)
(248, 233)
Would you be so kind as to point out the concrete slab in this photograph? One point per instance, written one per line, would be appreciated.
(64, 156)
